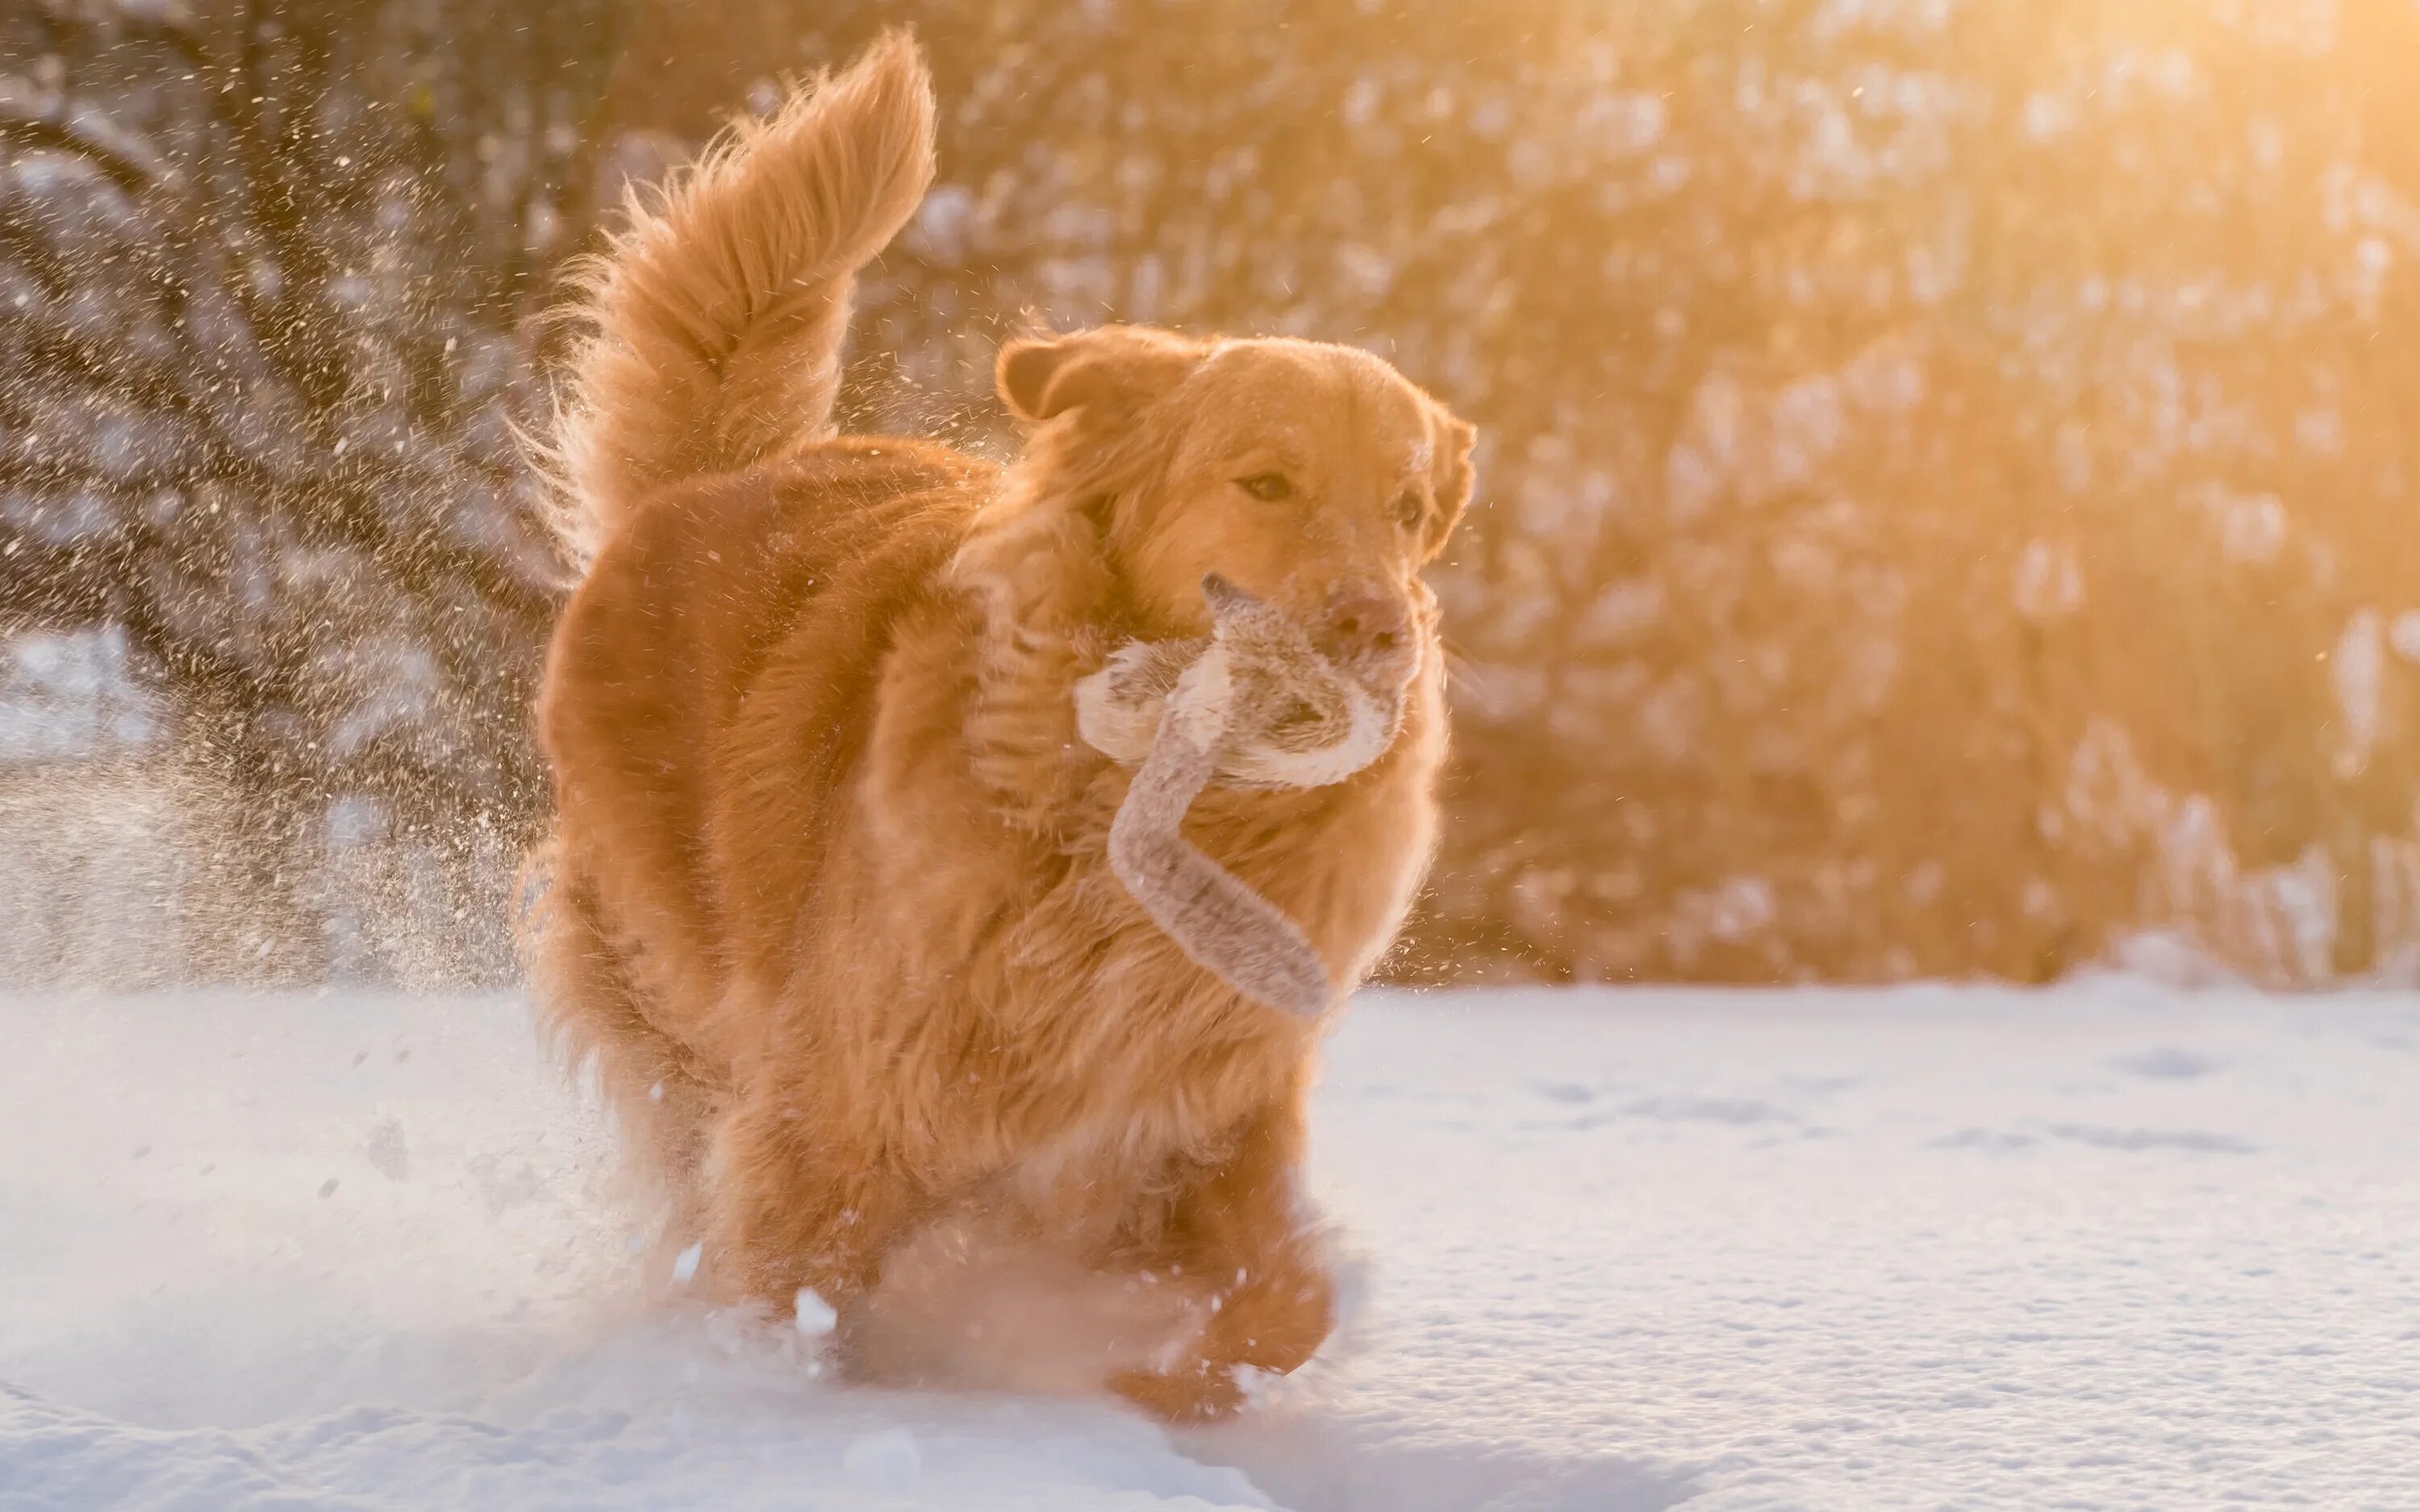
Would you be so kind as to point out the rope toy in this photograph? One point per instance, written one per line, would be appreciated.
(1254, 706)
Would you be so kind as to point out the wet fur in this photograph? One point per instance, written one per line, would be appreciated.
(830, 905)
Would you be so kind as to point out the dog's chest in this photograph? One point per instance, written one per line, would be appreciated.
(1115, 1149)
(1161, 1080)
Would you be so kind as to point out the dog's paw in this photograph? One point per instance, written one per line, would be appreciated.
(1204, 1394)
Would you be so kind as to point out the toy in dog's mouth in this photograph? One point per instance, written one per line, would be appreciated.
(1255, 706)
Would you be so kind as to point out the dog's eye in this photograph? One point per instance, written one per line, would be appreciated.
(1270, 487)
(1410, 509)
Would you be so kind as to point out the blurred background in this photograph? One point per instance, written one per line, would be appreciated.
(1946, 497)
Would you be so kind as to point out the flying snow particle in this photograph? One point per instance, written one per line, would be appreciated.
(886, 1461)
(815, 1317)
(685, 1264)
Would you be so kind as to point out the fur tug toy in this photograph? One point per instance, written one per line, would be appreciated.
(1257, 706)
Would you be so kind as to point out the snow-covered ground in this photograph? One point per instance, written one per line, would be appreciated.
(2105, 1247)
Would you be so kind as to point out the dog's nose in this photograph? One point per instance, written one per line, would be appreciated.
(1363, 621)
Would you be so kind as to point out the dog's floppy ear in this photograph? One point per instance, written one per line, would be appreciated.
(1110, 368)
(1452, 474)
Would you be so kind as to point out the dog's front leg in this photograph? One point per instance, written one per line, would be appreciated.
(800, 1209)
(1244, 1231)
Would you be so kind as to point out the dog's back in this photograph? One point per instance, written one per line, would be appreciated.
(654, 656)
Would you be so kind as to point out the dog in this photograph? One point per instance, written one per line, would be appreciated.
(829, 906)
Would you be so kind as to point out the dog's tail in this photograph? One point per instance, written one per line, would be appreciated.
(714, 321)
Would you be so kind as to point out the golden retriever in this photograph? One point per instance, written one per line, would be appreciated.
(829, 904)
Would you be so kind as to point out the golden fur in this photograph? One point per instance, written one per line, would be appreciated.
(829, 904)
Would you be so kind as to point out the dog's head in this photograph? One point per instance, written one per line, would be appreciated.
(1314, 477)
